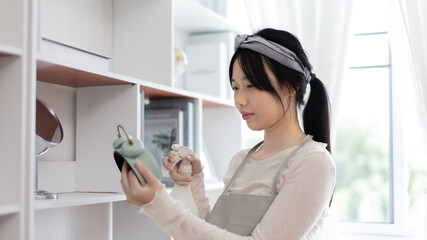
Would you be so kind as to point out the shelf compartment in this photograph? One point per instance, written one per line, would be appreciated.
(78, 222)
(150, 56)
(207, 20)
(78, 199)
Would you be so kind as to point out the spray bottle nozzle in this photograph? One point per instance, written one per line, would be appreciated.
(181, 153)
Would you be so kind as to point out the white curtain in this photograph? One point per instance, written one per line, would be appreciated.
(408, 40)
(322, 26)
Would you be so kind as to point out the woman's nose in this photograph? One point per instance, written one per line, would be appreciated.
(240, 99)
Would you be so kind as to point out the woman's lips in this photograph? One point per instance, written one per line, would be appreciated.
(246, 116)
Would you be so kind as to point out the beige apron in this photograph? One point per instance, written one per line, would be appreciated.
(240, 213)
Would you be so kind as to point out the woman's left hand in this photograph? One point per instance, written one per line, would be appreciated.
(135, 192)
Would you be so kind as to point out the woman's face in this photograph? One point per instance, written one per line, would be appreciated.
(260, 109)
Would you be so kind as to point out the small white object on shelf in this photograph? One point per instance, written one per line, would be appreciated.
(180, 62)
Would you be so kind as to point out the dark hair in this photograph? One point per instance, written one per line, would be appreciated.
(316, 112)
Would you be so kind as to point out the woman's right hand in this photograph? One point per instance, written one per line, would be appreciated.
(170, 163)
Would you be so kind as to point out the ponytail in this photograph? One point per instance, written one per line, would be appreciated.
(316, 113)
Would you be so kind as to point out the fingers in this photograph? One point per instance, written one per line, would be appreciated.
(125, 179)
(179, 178)
(181, 183)
(193, 158)
(169, 161)
(172, 154)
(135, 193)
(125, 167)
(195, 163)
(145, 172)
(133, 181)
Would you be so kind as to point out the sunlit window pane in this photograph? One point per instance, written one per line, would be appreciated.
(370, 16)
(361, 150)
(369, 50)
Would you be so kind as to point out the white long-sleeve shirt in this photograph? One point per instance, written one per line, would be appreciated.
(305, 188)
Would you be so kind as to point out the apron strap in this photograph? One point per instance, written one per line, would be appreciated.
(284, 163)
(249, 154)
(239, 169)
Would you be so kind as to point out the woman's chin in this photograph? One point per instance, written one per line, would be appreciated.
(254, 127)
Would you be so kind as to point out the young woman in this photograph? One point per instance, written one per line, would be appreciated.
(281, 188)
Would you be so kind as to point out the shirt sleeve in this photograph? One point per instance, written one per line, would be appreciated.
(199, 195)
(295, 211)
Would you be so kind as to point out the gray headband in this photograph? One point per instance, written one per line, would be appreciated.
(272, 50)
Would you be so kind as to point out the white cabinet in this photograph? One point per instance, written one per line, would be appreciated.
(11, 123)
(92, 94)
(81, 24)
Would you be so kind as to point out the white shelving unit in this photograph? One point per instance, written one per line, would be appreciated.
(92, 93)
(79, 199)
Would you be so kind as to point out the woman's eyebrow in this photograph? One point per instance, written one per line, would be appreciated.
(242, 79)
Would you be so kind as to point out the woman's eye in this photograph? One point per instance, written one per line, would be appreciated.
(234, 88)
(251, 86)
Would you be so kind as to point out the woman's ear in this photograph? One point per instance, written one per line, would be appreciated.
(290, 91)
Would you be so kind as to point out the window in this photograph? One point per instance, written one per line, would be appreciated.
(368, 193)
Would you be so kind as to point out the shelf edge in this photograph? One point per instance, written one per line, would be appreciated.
(7, 50)
(78, 199)
(9, 209)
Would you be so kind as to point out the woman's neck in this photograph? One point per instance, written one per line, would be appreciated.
(280, 137)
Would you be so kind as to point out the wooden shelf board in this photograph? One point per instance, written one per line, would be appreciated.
(158, 91)
(152, 92)
(62, 74)
(3, 54)
(72, 77)
(78, 199)
(6, 51)
(9, 209)
(216, 102)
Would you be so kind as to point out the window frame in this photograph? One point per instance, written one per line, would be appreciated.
(397, 166)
